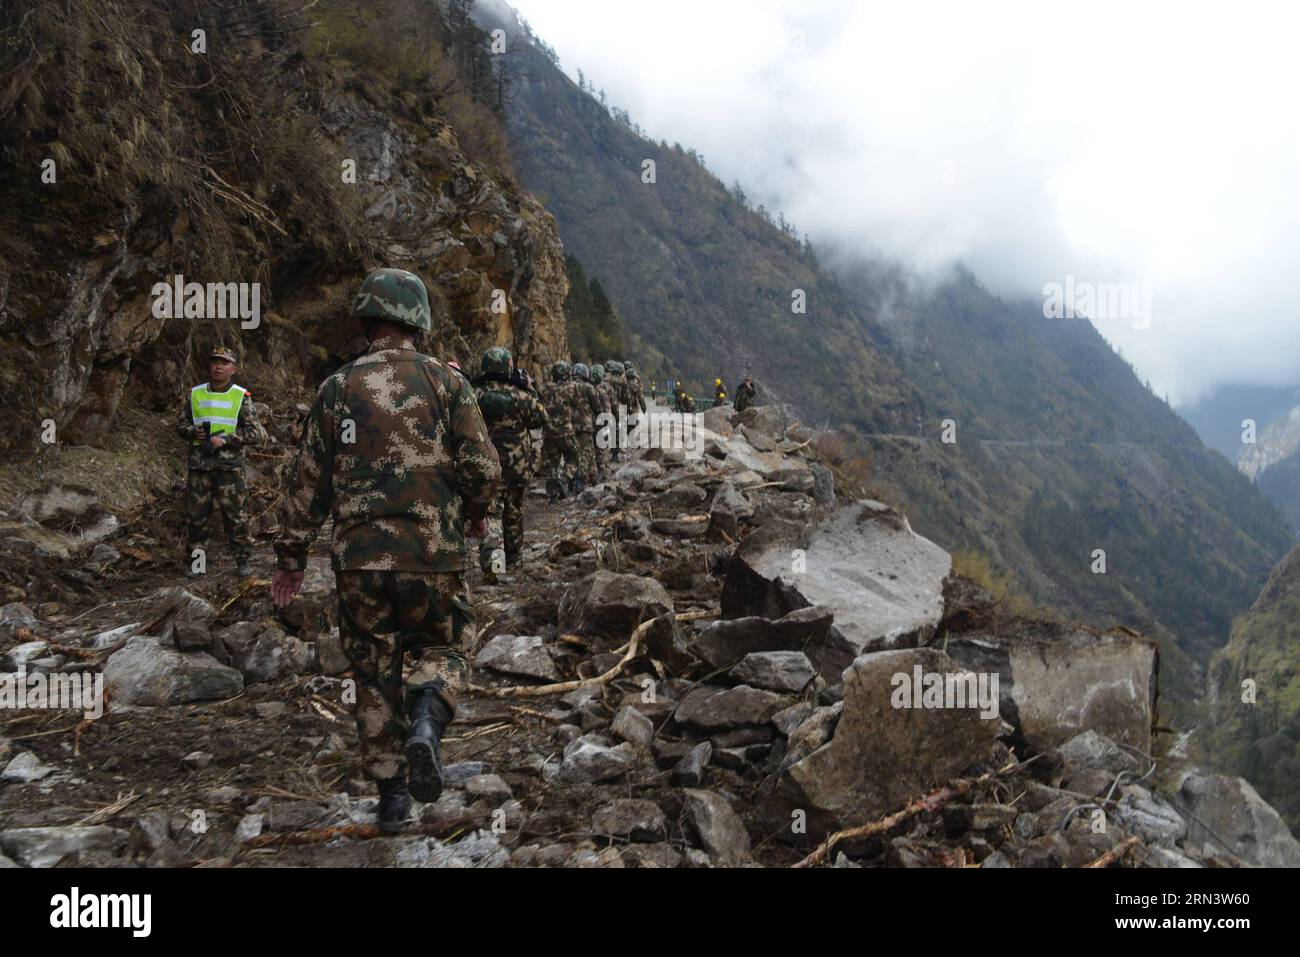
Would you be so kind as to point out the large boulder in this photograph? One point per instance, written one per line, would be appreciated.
(1059, 680)
(886, 750)
(1227, 810)
(882, 581)
(768, 419)
(146, 672)
(611, 604)
(717, 419)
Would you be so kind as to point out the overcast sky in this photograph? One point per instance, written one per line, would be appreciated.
(1115, 143)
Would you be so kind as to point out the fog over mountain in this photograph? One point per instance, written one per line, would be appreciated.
(1030, 144)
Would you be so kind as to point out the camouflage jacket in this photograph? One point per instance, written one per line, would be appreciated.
(559, 417)
(635, 400)
(395, 449)
(510, 412)
(744, 396)
(585, 404)
(248, 432)
(623, 394)
(608, 399)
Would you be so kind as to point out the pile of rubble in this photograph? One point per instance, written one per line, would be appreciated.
(707, 661)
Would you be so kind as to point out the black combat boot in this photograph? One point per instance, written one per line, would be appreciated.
(578, 486)
(394, 804)
(243, 567)
(430, 716)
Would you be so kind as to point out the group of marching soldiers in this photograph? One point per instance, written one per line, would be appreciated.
(578, 412)
(578, 443)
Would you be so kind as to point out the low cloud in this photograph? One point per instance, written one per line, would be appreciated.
(1111, 142)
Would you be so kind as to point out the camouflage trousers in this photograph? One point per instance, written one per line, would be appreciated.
(623, 442)
(386, 618)
(586, 442)
(560, 457)
(226, 489)
(605, 439)
(505, 521)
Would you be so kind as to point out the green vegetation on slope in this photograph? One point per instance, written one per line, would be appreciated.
(1260, 739)
(1060, 448)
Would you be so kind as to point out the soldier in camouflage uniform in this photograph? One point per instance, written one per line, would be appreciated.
(745, 393)
(635, 399)
(510, 411)
(586, 406)
(396, 452)
(617, 384)
(219, 422)
(605, 428)
(559, 455)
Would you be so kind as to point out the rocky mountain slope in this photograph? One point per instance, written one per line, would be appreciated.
(1253, 728)
(1059, 449)
(1274, 463)
(295, 151)
(700, 665)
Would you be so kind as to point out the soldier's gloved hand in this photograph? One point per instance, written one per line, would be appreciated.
(477, 529)
(216, 441)
(284, 585)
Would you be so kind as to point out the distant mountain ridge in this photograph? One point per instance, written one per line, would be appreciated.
(1060, 450)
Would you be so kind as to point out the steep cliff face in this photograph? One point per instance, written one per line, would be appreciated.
(275, 149)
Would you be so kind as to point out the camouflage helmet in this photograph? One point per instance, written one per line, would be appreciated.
(581, 371)
(614, 367)
(395, 295)
(497, 359)
(598, 373)
(560, 371)
(629, 368)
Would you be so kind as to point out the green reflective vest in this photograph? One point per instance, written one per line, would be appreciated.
(219, 409)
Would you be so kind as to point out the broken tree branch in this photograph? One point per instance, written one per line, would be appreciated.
(1115, 854)
(564, 687)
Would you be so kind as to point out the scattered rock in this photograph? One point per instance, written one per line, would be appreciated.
(330, 659)
(689, 771)
(723, 644)
(611, 604)
(489, 787)
(632, 820)
(26, 768)
(788, 671)
(48, 846)
(524, 655)
(711, 708)
(587, 760)
(720, 829)
(143, 672)
(632, 726)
